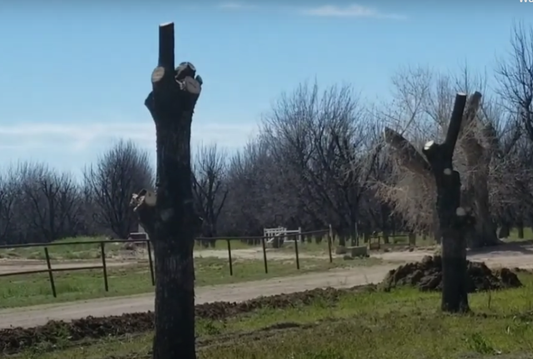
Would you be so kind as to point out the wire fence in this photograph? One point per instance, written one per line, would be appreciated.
(103, 266)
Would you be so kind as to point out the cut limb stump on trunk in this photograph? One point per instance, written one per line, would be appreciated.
(454, 220)
(168, 215)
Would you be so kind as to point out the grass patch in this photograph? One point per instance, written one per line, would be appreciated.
(400, 324)
(17, 291)
(79, 250)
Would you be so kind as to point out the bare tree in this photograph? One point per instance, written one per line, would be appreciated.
(409, 189)
(121, 171)
(323, 138)
(9, 195)
(515, 76)
(254, 188)
(49, 202)
(210, 189)
(425, 111)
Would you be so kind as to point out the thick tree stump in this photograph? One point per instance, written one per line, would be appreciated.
(168, 216)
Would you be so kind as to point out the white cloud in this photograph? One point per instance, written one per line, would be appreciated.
(81, 137)
(235, 6)
(354, 11)
(69, 147)
(350, 11)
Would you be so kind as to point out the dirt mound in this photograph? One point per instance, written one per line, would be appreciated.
(427, 276)
(15, 339)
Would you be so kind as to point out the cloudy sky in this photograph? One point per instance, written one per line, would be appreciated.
(74, 76)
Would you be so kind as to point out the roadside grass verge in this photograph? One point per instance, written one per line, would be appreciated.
(18, 291)
(400, 324)
(79, 251)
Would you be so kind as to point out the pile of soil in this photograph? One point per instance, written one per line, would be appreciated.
(13, 340)
(426, 275)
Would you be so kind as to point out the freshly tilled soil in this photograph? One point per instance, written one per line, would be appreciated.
(426, 275)
(13, 340)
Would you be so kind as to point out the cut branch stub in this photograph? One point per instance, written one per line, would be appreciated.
(166, 46)
(158, 74)
(408, 155)
(185, 69)
(174, 90)
(143, 204)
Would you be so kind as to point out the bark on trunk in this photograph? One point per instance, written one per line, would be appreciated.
(174, 304)
(385, 218)
(386, 236)
(520, 228)
(169, 216)
(453, 222)
(453, 219)
(437, 234)
(505, 230)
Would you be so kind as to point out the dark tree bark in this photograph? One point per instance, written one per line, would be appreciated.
(454, 221)
(168, 216)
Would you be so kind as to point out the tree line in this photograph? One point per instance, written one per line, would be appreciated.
(322, 156)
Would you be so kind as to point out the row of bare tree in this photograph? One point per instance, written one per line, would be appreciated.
(320, 157)
(39, 204)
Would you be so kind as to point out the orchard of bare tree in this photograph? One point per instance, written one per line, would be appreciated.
(320, 158)
(444, 155)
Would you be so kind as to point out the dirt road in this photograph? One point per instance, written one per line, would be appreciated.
(510, 256)
(38, 315)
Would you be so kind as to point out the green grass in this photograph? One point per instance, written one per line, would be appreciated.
(371, 325)
(78, 251)
(17, 291)
(513, 237)
(81, 250)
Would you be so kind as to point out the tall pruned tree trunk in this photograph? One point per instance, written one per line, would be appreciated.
(168, 216)
(454, 222)
(453, 219)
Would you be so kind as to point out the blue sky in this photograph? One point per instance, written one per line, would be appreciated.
(74, 75)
